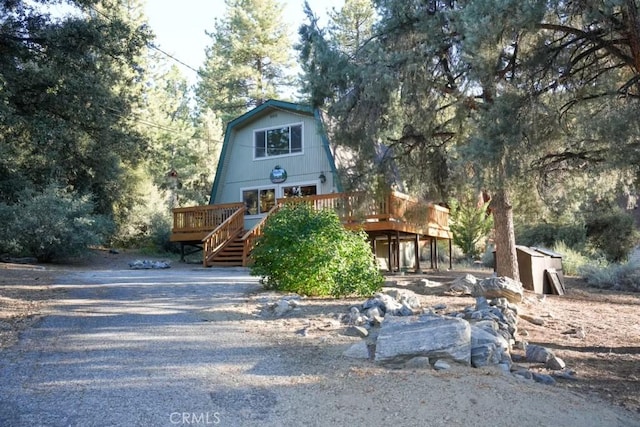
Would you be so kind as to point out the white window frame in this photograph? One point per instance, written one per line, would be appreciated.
(266, 129)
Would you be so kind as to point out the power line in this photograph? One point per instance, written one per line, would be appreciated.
(153, 46)
(150, 45)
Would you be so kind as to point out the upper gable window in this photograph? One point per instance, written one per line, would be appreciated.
(280, 141)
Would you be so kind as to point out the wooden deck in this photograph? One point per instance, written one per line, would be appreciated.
(396, 216)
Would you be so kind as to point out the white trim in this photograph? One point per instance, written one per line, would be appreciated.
(266, 157)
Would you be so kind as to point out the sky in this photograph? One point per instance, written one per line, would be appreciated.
(180, 26)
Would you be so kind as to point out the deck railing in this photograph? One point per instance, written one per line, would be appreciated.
(202, 219)
(221, 223)
(394, 207)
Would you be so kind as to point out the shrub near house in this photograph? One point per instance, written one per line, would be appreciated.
(310, 253)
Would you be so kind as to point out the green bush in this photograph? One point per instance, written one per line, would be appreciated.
(52, 224)
(613, 233)
(549, 234)
(621, 277)
(572, 260)
(310, 253)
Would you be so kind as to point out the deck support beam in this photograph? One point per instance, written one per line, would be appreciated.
(397, 251)
(389, 253)
(417, 253)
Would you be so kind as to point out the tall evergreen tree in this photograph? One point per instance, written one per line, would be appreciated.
(248, 59)
(66, 100)
(488, 90)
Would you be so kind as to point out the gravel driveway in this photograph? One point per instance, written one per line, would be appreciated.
(128, 348)
(185, 347)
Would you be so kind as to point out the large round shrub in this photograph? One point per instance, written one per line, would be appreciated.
(613, 232)
(51, 224)
(309, 252)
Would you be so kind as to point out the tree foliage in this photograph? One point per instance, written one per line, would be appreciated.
(67, 86)
(499, 93)
(311, 253)
(470, 223)
(50, 224)
(247, 61)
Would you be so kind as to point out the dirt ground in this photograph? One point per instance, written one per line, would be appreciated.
(596, 332)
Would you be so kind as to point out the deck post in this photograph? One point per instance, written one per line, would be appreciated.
(450, 254)
(374, 249)
(417, 253)
(398, 251)
(389, 259)
(435, 246)
(431, 251)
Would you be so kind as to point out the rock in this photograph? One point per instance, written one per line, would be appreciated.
(481, 336)
(555, 363)
(566, 374)
(499, 287)
(147, 264)
(482, 304)
(534, 320)
(402, 338)
(543, 378)
(523, 373)
(386, 303)
(405, 310)
(377, 320)
(419, 362)
(430, 283)
(580, 333)
(441, 306)
(410, 300)
(485, 354)
(282, 307)
(463, 285)
(358, 350)
(374, 312)
(441, 365)
(538, 354)
(487, 347)
(505, 367)
(356, 331)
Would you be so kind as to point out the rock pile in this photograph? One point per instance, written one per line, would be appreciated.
(399, 331)
(147, 264)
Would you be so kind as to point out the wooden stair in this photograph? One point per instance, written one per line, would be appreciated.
(230, 255)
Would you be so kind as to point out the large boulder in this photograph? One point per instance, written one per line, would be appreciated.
(499, 287)
(435, 337)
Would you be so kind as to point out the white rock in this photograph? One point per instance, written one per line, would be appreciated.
(402, 338)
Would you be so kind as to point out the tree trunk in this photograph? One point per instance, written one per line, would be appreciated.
(506, 260)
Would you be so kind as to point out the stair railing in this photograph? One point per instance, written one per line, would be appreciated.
(251, 236)
(222, 234)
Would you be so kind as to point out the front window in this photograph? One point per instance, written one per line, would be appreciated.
(299, 191)
(258, 201)
(280, 141)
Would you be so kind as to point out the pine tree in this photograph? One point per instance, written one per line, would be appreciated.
(248, 59)
(498, 93)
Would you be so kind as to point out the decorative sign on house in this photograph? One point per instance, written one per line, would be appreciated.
(278, 175)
